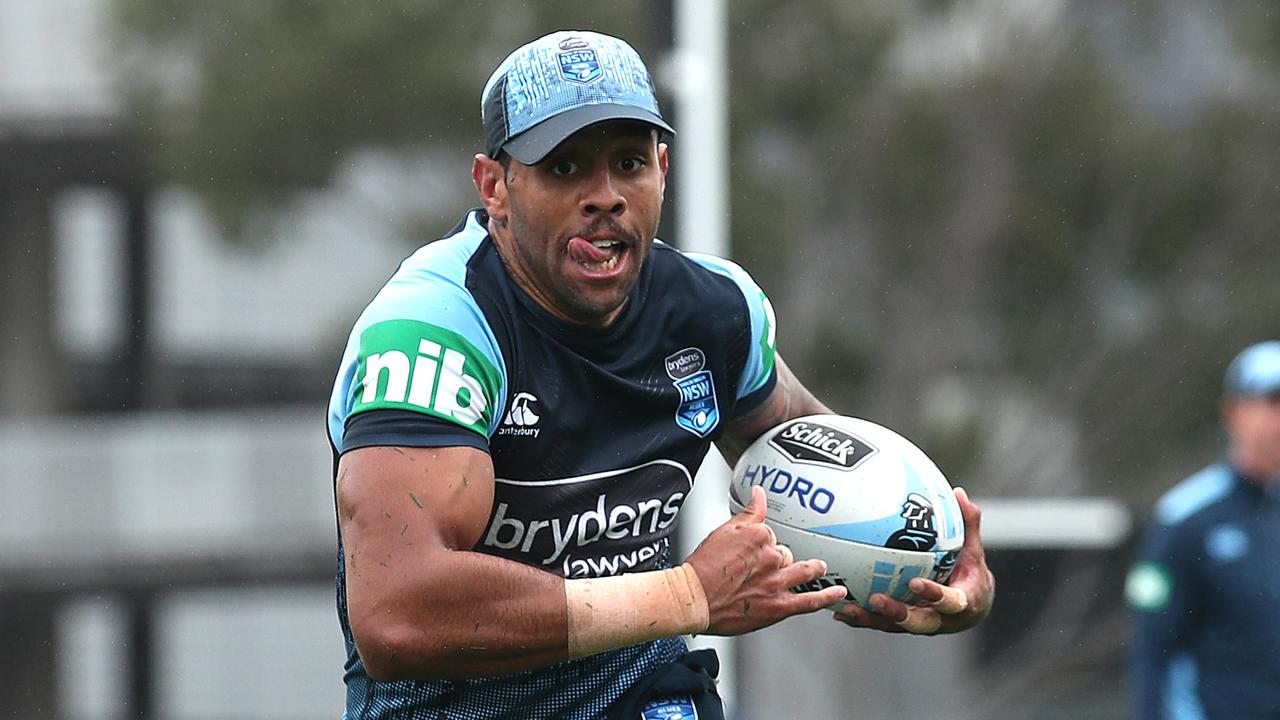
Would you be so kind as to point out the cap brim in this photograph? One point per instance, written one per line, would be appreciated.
(1255, 371)
(1257, 388)
(532, 145)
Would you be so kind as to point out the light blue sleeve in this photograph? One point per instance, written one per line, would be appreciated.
(759, 366)
(423, 345)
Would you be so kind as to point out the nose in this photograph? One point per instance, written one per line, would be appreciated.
(603, 196)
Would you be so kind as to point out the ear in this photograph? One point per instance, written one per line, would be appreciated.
(662, 165)
(491, 182)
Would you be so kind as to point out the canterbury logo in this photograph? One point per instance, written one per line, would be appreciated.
(521, 419)
(520, 413)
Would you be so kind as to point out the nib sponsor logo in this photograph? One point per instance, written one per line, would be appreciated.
(821, 445)
(415, 366)
(438, 381)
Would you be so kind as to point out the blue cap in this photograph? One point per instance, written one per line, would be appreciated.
(1255, 371)
(560, 83)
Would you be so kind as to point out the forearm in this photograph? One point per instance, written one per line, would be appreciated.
(454, 614)
(473, 615)
(422, 604)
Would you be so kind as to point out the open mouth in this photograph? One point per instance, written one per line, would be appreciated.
(597, 255)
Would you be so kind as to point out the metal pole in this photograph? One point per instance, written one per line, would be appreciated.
(136, 379)
(702, 219)
(140, 657)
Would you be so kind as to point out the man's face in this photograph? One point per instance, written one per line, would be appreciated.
(575, 228)
(1253, 424)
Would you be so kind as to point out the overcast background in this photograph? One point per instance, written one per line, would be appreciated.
(1028, 235)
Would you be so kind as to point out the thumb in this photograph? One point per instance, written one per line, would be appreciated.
(756, 509)
(970, 513)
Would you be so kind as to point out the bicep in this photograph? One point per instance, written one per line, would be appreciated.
(419, 600)
(398, 497)
(789, 399)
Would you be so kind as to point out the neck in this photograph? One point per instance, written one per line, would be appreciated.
(1254, 471)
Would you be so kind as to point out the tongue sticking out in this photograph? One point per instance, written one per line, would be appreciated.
(583, 251)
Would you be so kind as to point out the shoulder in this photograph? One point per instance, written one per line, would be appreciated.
(705, 278)
(428, 293)
(1195, 495)
(715, 265)
(741, 307)
(423, 344)
(434, 274)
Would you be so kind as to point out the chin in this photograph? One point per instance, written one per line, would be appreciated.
(584, 310)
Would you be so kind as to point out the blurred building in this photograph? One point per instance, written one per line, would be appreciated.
(166, 521)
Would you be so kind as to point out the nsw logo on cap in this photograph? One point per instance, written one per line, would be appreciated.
(578, 62)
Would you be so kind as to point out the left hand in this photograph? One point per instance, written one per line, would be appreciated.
(959, 605)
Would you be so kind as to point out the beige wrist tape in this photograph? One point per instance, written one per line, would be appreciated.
(614, 612)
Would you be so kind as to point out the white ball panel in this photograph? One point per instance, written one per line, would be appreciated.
(825, 475)
(863, 569)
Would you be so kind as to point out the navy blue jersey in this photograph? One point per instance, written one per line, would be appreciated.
(1206, 594)
(595, 434)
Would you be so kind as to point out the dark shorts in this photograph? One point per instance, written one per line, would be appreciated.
(681, 690)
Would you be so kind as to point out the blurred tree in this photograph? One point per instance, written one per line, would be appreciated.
(988, 226)
(249, 103)
(1027, 234)
(1017, 233)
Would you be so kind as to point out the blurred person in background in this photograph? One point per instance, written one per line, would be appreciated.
(1206, 586)
(518, 417)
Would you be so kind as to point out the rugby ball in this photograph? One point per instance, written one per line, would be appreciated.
(860, 497)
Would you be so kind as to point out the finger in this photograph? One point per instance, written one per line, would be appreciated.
(799, 573)
(812, 601)
(894, 611)
(859, 617)
(972, 515)
(773, 537)
(922, 621)
(916, 620)
(954, 600)
(755, 510)
(946, 599)
(787, 556)
(925, 591)
(853, 616)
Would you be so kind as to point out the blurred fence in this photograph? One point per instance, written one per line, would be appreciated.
(169, 565)
(180, 566)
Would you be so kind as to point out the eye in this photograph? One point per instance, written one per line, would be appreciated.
(631, 164)
(563, 168)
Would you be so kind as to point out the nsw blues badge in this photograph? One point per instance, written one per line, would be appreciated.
(669, 709)
(698, 412)
(580, 65)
